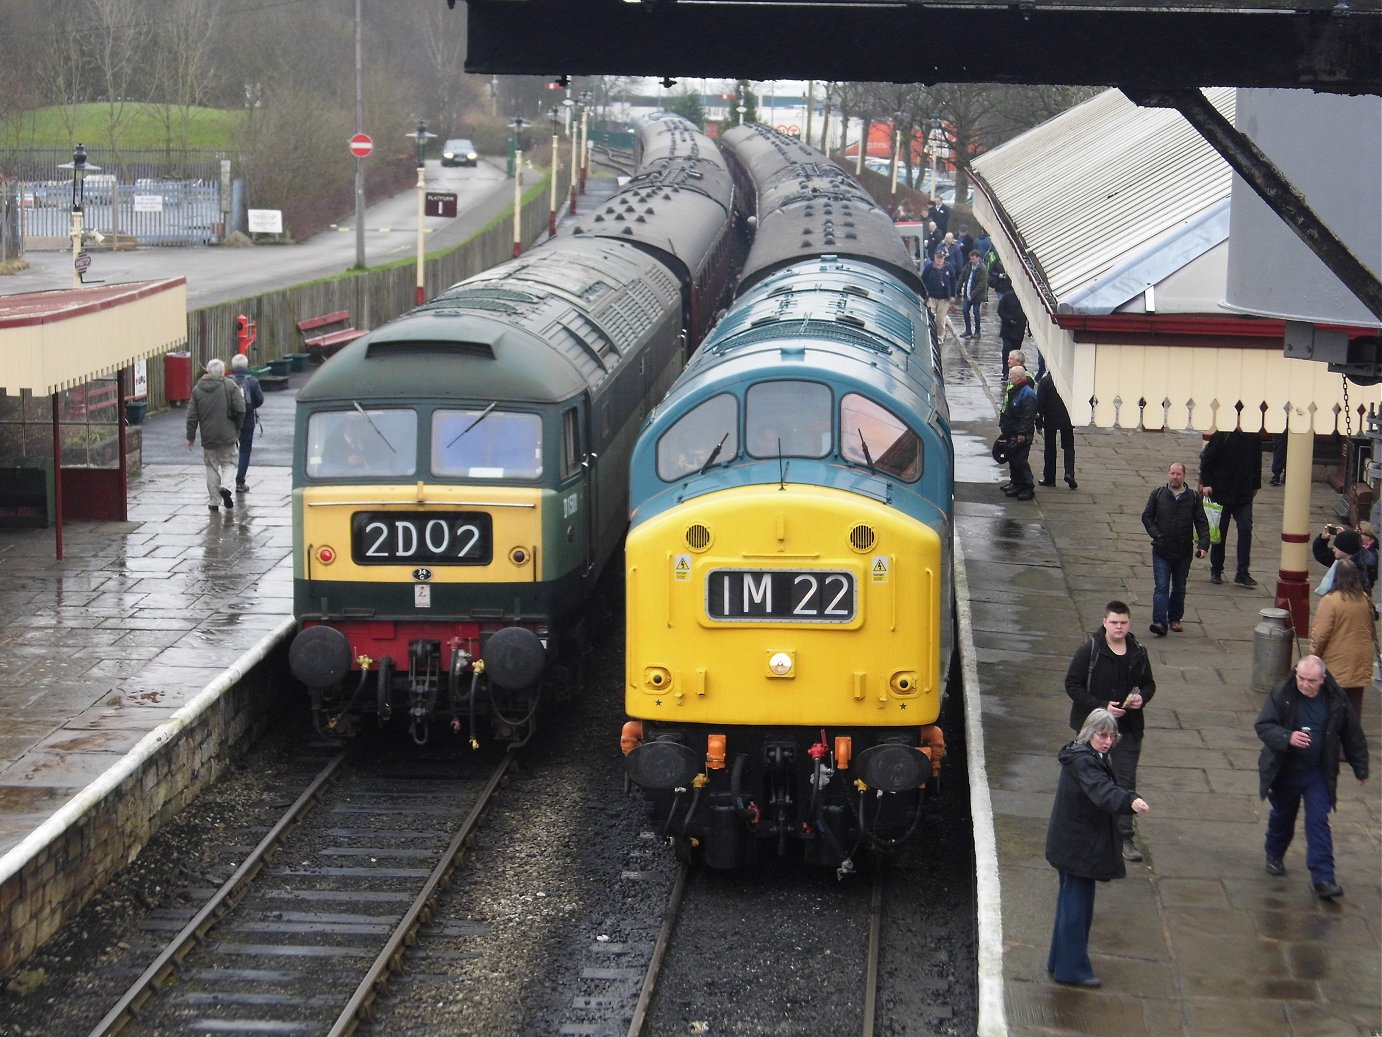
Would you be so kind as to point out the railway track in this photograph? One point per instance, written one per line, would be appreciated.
(305, 932)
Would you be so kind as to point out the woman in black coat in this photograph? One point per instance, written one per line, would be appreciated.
(1083, 841)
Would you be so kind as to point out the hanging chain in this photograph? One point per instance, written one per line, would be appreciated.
(1348, 413)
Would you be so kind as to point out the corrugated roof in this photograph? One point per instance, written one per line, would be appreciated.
(1094, 186)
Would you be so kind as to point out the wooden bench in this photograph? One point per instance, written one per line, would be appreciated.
(326, 343)
(26, 497)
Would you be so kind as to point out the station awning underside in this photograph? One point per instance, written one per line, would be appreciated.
(50, 341)
(1321, 44)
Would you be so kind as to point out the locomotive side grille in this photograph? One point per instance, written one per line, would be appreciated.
(697, 537)
(862, 537)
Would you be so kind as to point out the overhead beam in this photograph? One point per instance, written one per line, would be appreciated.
(1337, 50)
(1278, 193)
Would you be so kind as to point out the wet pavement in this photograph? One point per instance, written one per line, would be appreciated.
(100, 648)
(1197, 940)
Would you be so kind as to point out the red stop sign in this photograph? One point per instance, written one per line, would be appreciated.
(361, 145)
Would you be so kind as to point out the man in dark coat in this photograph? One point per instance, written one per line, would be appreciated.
(1052, 420)
(940, 289)
(254, 399)
(1111, 671)
(1012, 322)
(1231, 474)
(217, 409)
(1303, 724)
(1082, 843)
(1017, 424)
(1174, 519)
(1347, 543)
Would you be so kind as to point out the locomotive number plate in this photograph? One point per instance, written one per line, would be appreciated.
(780, 596)
(421, 538)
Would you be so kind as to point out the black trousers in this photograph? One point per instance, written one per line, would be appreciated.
(1018, 467)
(1067, 445)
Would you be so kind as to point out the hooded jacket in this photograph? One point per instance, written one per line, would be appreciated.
(1083, 837)
(218, 407)
(1109, 679)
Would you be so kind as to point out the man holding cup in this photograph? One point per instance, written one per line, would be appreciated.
(1303, 724)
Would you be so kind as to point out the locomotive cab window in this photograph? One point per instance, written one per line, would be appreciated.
(705, 435)
(787, 419)
(571, 452)
(872, 436)
(485, 443)
(351, 443)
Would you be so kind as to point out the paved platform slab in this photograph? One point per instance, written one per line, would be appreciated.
(1197, 941)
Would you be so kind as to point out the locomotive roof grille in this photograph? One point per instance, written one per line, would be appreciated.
(851, 332)
(428, 347)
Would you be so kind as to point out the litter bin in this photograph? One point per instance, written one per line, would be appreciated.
(177, 377)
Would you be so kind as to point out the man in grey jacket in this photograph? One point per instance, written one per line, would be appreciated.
(217, 407)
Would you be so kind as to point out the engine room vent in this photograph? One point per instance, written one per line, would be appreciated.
(697, 537)
(862, 537)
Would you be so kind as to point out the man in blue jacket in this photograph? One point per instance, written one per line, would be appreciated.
(1017, 424)
(254, 399)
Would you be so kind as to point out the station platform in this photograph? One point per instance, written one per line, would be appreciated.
(1197, 940)
(99, 652)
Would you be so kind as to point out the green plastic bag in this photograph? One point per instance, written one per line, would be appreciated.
(1214, 512)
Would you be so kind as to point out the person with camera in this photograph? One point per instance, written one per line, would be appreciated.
(1174, 518)
(1303, 725)
(1346, 543)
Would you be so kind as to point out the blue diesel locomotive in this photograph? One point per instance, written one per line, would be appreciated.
(789, 558)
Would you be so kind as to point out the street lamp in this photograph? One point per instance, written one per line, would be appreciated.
(937, 138)
(897, 154)
(518, 123)
(79, 167)
(420, 137)
(741, 108)
(585, 136)
(575, 131)
(865, 127)
(555, 116)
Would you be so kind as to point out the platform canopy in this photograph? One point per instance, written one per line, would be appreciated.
(50, 341)
(1114, 221)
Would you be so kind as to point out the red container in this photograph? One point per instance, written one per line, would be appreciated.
(177, 377)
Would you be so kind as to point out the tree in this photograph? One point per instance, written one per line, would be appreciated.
(181, 47)
(688, 105)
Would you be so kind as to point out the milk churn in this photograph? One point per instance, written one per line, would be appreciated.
(1271, 649)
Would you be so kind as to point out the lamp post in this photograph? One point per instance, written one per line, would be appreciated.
(741, 108)
(518, 123)
(937, 138)
(897, 154)
(865, 126)
(575, 131)
(585, 137)
(555, 116)
(421, 137)
(79, 168)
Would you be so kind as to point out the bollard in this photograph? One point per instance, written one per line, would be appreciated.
(1271, 649)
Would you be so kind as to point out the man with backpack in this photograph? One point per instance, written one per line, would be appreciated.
(254, 399)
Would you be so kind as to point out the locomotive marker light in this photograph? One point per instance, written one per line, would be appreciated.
(780, 664)
(420, 137)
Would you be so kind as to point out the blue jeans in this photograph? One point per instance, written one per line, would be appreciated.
(1242, 516)
(1068, 959)
(1285, 795)
(1168, 599)
(971, 306)
(246, 442)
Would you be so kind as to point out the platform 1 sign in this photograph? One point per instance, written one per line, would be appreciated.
(439, 203)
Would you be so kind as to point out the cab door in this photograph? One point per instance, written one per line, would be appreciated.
(578, 484)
